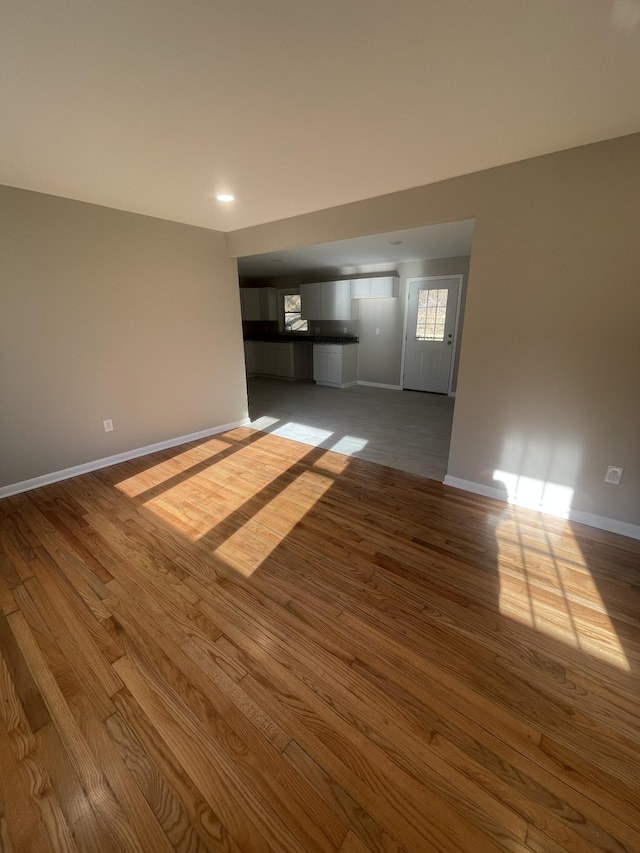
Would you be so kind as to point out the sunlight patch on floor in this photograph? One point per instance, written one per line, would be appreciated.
(302, 432)
(349, 444)
(546, 585)
(333, 463)
(264, 422)
(184, 500)
(247, 548)
(153, 477)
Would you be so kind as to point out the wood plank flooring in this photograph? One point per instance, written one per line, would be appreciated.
(249, 644)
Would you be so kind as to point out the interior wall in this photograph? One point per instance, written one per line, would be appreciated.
(548, 378)
(106, 314)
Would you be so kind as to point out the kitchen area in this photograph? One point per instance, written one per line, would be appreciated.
(297, 336)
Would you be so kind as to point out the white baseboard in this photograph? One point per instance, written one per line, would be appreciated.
(335, 384)
(476, 488)
(86, 467)
(624, 528)
(380, 385)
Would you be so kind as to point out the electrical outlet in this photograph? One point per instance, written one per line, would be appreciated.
(614, 475)
(345, 330)
(108, 425)
(377, 331)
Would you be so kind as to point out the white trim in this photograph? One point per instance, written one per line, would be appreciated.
(380, 385)
(451, 394)
(623, 528)
(454, 344)
(96, 464)
(476, 488)
(337, 384)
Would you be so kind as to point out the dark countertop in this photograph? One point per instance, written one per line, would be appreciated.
(304, 339)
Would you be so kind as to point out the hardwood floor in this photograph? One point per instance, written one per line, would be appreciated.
(250, 644)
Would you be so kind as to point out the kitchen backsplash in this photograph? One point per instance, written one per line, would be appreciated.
(316, 327)
(334, 327)
(259, 327)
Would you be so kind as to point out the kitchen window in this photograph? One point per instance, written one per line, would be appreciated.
(293, 321)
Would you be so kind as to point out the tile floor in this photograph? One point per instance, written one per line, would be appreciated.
(407, 430)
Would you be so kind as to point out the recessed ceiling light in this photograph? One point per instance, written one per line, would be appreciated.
(395, 242)
(225, 197)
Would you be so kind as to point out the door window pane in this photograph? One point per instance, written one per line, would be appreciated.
(432, 311)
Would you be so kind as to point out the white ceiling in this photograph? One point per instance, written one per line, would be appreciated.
(364, 254)
(155, 105)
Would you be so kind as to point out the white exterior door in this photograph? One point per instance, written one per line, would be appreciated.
(432, 312)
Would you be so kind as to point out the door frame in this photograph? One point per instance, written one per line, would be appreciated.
(454, 344)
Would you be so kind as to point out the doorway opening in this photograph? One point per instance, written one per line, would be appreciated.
(398, 299)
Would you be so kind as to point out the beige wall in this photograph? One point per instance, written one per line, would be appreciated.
(548, 385)
(105, 314)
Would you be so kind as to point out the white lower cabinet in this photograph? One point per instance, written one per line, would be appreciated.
(335, 364)
(282, 360)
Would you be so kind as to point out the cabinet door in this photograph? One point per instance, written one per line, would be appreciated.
(340, 301)
(360, 288)
(268, 303)
(327, 363)
(382, 286)
(334, 367)
(336, 300)
(311, 301)
(250, 303)
(283, 360)
(270, 359)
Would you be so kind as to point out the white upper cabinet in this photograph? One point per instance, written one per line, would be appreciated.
(259, 303)
(326, 300)
(375, 288)
(336, 300)
(360, 288)
(311, 301)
